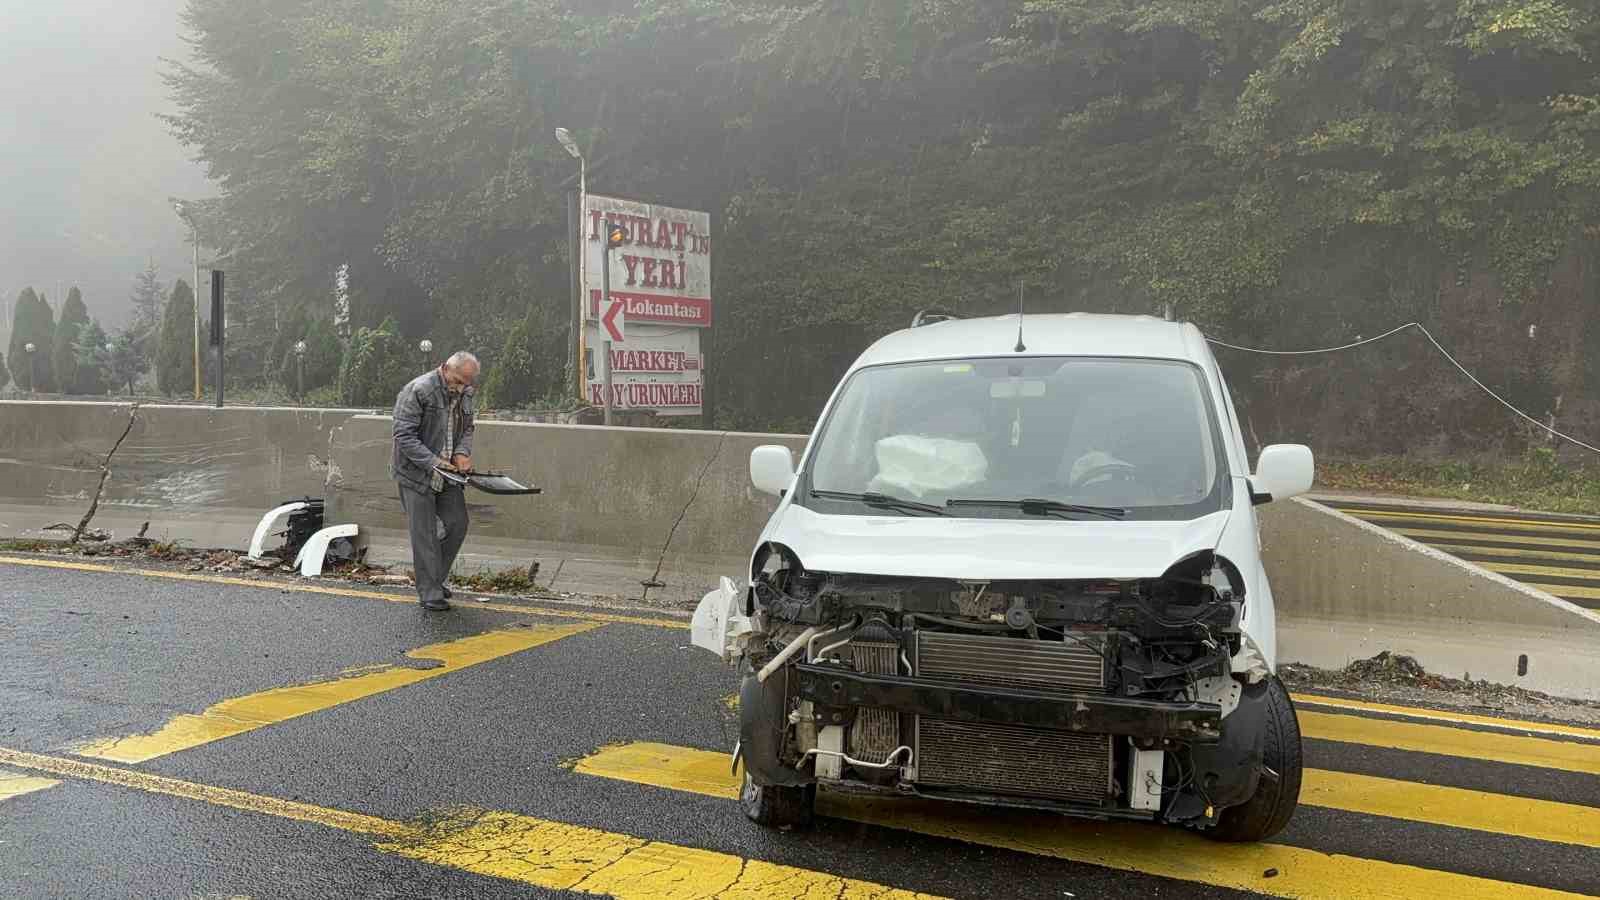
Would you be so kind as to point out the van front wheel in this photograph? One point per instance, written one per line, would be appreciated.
(1278, 792)
(778, 806)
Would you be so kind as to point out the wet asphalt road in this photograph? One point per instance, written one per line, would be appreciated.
(90, 656)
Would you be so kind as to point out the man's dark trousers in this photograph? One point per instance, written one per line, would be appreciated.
(432, 554)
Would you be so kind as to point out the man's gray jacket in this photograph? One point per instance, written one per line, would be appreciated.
(421, 415)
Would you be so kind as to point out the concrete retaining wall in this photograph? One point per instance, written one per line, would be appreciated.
(176, 457)
(616, 487)
(1346, 589)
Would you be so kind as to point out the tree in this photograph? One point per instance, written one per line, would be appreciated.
(126, 363)
(64, 352)
(321, 362)
(175, 352)
(530, 365)
(147, 304)
(93, 360)
(22, 317)
(375, 367)
(5, 374)
(33, 323)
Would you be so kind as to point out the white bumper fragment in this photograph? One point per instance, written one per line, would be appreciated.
(719, 624)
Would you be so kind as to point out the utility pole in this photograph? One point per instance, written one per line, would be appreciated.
(576, 347)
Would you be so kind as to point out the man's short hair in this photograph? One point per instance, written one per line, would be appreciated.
(461, 358)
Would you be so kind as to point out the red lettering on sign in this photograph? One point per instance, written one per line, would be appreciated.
(650, 273)
(630, 262)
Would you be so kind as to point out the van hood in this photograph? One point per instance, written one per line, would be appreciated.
(971, 549)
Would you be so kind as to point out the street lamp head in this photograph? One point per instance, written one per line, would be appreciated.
(565, 137)
(300, 348)
(425, 345)
(29, 347)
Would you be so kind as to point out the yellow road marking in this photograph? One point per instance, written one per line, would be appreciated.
(1510, 554)
(1506, 748)
(1129, 847)
(707, 773)
(573, 858)
(341, 592)
(1467, 538)
(1442, 715)
(241, 714)
(15, 784)
(1541, 820)
(521, 848)
(1531, 525)
(216, 796)
(1524, 569)
(1566, 590)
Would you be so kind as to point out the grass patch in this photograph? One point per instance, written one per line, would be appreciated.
(167, 551)
(1537, 481)
(500, 581)
(30, 545)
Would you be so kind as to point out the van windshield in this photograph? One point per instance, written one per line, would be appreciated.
(1134, 438)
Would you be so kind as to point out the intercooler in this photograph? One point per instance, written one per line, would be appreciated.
(1004, 759)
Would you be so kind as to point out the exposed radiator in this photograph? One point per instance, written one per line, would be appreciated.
(1005, 759)
(1062, 665)
(876, 732)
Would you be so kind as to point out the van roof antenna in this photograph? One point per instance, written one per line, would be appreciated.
(1020, 346)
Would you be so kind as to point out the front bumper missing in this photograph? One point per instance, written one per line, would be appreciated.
(832, 686)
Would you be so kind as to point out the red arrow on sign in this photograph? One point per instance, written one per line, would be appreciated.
(615, 323)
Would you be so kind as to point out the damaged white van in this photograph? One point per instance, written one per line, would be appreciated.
(1018, 565)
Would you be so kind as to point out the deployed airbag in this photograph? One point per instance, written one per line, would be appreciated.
(913, 465)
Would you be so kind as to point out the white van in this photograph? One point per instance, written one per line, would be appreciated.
(1018, 565)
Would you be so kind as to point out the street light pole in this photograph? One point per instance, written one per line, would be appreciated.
(300, 371)
(426, 346)
(187, 215)
(571, 146)
(33, 371)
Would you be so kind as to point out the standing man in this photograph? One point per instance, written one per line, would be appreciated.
(432, 432)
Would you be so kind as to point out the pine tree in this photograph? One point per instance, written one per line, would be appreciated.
(147, 305)
(34, 324)
(21, 328)
(128, 362)
(5, 374)
(64, 346)
(175, 352)
(93, 360)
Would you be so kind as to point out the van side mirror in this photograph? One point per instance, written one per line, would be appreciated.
(772, 468)
(1283, 471)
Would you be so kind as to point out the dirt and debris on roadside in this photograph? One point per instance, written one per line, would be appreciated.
(1397, 678)
(511, 584)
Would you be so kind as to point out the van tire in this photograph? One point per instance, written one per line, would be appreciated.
(1269, 808)
(778, 806)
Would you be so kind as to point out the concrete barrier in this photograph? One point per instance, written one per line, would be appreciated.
(1346, 589)
(631, 488)
(176, 457)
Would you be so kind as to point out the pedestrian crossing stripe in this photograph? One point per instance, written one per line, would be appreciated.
(1125, 846)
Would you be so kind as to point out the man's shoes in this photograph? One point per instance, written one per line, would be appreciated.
(436, 607)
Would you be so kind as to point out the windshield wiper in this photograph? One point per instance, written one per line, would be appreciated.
(873, 498)
(1035, 507)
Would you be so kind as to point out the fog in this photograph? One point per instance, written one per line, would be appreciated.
(85, 166)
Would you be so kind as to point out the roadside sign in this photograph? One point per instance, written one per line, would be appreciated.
(660, 303)
(615, 322)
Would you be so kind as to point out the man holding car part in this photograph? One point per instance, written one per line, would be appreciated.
(433, 424)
